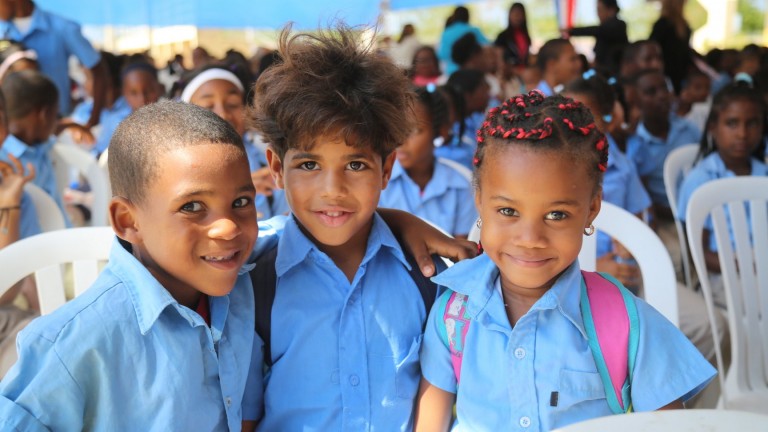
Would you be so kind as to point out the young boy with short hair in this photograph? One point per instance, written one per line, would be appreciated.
(347, 318)
(559, 64)
(163, 338)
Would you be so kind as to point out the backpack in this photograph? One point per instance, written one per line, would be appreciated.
(610, 319)
(264, 282)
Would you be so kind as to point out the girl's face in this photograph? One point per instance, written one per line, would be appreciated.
(425, 64)
(223, 98)
(140, 88)
(738, 129)
(534, 205)
(418, 149)
(517, 17)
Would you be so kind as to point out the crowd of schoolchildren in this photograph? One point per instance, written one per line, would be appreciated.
(354, 166)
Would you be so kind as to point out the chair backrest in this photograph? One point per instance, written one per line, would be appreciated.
(49, 215)
(676, 166)
(43, 255)
(744, 269)
(656, 268)
(466, 173)
(68, 158)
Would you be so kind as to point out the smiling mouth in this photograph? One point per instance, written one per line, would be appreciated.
(225, 262)
(333, 218)
(530, 262)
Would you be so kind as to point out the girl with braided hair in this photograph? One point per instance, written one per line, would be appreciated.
(525, 359)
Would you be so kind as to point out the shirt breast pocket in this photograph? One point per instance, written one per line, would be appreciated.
(577, 387)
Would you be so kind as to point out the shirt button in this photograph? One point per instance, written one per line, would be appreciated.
(229, 401)
(354, 380)
(525, 422)
(520, 353)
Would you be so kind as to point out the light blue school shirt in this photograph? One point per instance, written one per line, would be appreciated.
(447, 201)
(82, 112)
(508, 374)
(54, 39)
(621, 187)
(648, 153)
(450, 35)
(29, 224)
(711, 168)
(544, 88)
(346, 355)
(267, 207)
(109, 119)
(39, 157)
(125, 355)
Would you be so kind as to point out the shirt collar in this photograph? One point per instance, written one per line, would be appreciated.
(39, 20)
(476, 277)
(545, 88)
(17, 147)
(295, 247)
(715, 165)
(150, 298)
(443, 178)
(676, 124)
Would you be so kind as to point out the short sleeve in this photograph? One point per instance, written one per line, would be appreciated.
(78, 46)
(253, 399)
(668, 366)
(38, 392)
(436, 366)
(637, 197)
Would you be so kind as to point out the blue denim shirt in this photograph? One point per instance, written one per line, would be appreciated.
(125, 355)
(447, 201)
(711, 168)
(508, 374)
(648, 153)
(54, 39)
(345, 355)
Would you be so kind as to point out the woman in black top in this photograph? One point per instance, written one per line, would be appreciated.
(673, 34)
(610, 36)
(515, 41)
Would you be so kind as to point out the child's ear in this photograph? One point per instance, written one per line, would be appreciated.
(275, 167)
(122, 217)
(594, 207)
(387, 169)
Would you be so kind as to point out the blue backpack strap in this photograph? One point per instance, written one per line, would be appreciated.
(618, 393)
(264, 282)
(454, 328)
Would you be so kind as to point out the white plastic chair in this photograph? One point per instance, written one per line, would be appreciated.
(43, 255)
(49, 215)
(688, 420)
(744, 267)
(656, 268)
(677, 165)
(464, 171)
(68, 158)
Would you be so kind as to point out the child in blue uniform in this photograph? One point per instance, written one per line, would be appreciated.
(734, 145)
(163, 338)
(434, 189)
(347, 318)
(526, 361)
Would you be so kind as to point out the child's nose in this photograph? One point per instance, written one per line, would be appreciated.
(224, 228)
(334, 185)
(529, 234)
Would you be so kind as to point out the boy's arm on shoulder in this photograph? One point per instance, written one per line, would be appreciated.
(434, 407)
(40, 388)
(422, 240)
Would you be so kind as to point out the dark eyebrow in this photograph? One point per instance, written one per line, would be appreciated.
(305, 155)
(573, 203)
(249, 188)
(358, 156)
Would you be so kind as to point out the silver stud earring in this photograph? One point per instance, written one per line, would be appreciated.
(589, 231)
(479, 223)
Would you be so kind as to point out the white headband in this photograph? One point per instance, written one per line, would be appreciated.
(204, 77)
(13, 58)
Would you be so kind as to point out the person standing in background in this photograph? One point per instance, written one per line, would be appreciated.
(515, 41)
(55, 39)
(673, 34)
(458, 26)
(610, 36)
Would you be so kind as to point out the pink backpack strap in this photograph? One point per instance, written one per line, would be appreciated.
(610, 319)
(456, 323)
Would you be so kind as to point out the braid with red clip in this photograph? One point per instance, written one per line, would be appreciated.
(552, 123)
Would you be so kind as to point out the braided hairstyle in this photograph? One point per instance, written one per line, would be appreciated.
(554, 123)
